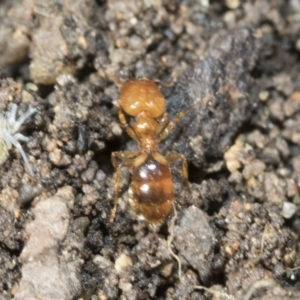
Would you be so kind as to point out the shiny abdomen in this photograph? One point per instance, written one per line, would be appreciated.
(152, 190)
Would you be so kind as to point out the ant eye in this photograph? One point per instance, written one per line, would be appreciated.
(142, 95)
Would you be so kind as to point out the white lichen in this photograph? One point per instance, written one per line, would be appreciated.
(10, 135)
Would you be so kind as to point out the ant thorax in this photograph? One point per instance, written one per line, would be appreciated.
(145, 129)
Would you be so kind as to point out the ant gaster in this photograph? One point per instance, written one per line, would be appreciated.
(151, 193)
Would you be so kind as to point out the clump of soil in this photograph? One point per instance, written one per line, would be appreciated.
(234, 67)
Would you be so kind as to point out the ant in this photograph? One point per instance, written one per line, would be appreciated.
(151, 193)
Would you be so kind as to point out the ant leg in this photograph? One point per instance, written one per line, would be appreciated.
(122, 155)
(184, 170)
(164, 121)
(177, 118)
(128, 159)
(124, 122)
(167, 129)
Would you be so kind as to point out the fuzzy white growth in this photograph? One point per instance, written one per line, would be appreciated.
(10, 136)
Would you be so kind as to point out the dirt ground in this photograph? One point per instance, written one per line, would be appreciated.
(236, 235)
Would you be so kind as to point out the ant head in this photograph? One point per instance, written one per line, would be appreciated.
(142, 95)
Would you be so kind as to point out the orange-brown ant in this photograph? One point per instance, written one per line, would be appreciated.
(151, 193)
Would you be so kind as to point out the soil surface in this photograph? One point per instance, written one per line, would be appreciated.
(234, 66)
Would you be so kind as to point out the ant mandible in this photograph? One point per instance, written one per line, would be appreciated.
(151, 193)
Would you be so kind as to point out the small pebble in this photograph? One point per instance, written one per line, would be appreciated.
(123, 262)
(233, 4)
(263, 96)
(102, 262)
(288, 209)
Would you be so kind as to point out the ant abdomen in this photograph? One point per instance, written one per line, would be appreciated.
(152, 192)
